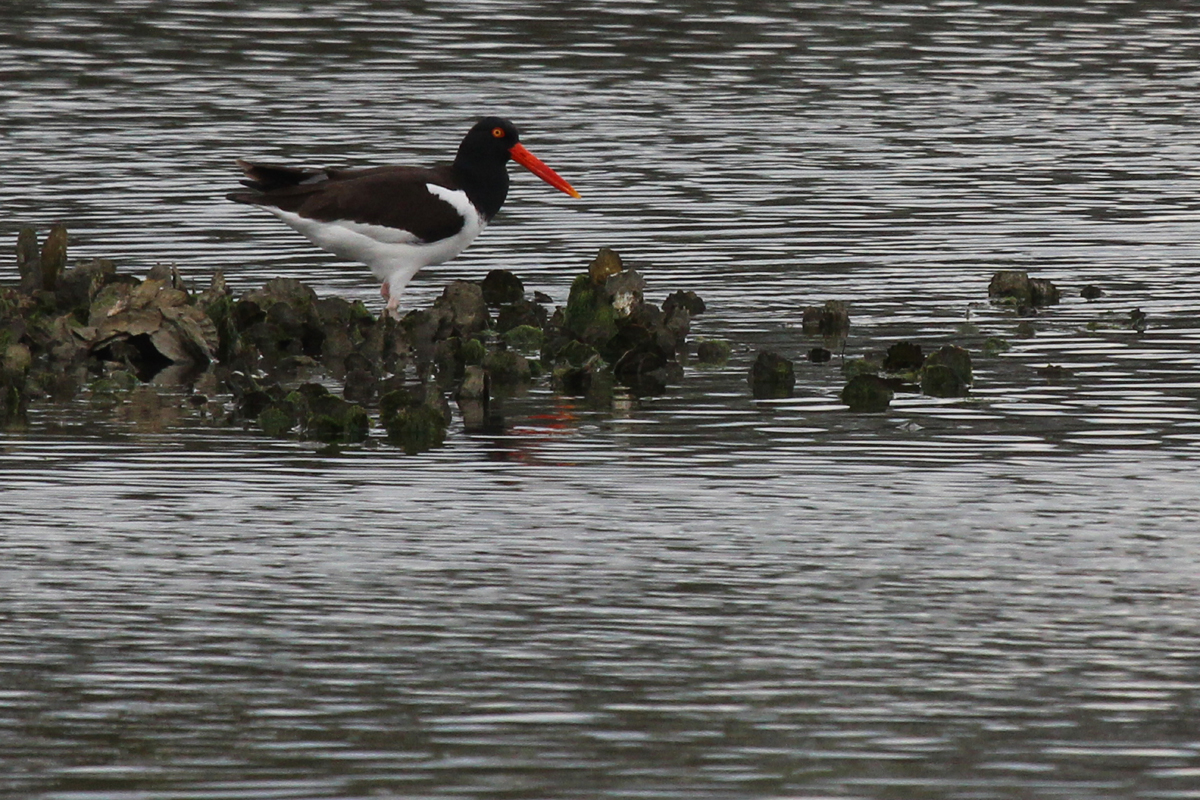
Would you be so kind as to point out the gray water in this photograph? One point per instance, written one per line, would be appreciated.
(691, 595)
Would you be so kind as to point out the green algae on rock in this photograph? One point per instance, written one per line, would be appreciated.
(524, 338)
(507, 367)
(867, 393)
(714, 352)
(947, 372)
(589, 317)
(994, 345)
(411, 422)
(939, 380)
(607, 313)
(593, 380)
(1016, 288)
(473, 351)
(325, 417)
(276, 422)
(268, 356)
(772, 376)
(956, 358)
(860, 366)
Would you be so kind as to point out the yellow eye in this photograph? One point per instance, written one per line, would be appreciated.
(498, 133)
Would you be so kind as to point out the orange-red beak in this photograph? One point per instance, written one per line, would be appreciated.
(532, 163)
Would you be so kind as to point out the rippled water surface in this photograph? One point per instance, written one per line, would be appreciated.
(691, 595)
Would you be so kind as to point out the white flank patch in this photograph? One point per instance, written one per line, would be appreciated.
(393, 255)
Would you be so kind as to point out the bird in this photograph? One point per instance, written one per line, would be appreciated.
(398, 219)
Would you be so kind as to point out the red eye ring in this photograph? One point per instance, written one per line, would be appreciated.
(498, 132)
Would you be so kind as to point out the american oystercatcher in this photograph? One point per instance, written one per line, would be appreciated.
(397, 220)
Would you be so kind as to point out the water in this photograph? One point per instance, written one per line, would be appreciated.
(693, 595)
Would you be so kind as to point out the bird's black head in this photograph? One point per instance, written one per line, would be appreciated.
(482, 160)
(490, 139)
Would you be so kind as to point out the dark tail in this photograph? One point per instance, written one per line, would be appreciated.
(265, 178)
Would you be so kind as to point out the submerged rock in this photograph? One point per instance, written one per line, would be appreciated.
(351, 338)
(336, 420)
(867, 394)
(956, 358)
(323, 416)
(474, 398)
(1054, 373)
(903, 357)
(830, 319)
(1043, 292)
(713, 351)
(994, 345)
(593, 379)
(473, 351)
(860, 366)
(938, 380)
(820, 355)
(646, 372)
(947, 373)
(573, 353)
(361, 383)
(1010, 285)
(772, 376)
(1015, 287)
(411, 422)
(507, 367)
(276, 422)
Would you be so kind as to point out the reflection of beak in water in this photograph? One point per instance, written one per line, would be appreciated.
(523, 442)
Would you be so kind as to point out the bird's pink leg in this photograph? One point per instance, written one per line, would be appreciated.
(393, 303)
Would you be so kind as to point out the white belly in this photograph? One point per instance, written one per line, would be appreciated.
(393, 255)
